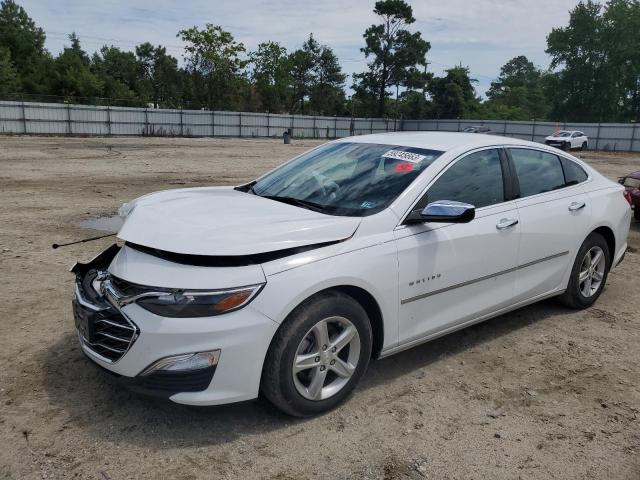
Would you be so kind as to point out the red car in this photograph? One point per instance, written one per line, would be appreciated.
(632, 186)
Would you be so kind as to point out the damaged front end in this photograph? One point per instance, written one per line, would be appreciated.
(104, 331)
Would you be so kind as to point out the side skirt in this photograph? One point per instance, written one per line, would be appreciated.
(455, 328)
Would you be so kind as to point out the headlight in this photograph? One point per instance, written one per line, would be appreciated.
(197, 303)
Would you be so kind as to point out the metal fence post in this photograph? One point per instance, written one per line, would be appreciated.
(213, 123)
(69, 129)
(533, 130)
(598, 136)
(146, 120)
(371, 126)
(314, 126)
(291, 125)
(268, 124)
(633, 136)
(458, 124)
(108, 120)
(240, 123)
(335, 127)
(181, 125)
(24, 118)
(504, 129)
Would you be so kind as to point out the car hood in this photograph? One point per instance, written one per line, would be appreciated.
(551, 137)
(221, 221)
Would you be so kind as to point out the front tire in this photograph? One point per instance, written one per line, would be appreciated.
(589, 273)
(318, 355)
(636, 213)
(584, 146)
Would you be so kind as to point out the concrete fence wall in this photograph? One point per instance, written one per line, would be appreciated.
(67, 119)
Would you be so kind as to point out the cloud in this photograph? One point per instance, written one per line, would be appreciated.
(483, 34)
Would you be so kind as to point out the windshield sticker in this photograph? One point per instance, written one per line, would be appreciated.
(366, 204)
(403, 167)
(406, 156)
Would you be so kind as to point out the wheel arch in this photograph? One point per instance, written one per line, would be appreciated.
(364, 298)
(609, 237)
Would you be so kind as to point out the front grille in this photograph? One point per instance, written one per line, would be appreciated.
(103, 328)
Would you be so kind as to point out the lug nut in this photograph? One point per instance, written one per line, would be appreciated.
(332, 362)
(334, 349)
(322, 368)
(324, 347)
(317, 359)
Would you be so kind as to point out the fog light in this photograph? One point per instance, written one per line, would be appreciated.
(184, 362)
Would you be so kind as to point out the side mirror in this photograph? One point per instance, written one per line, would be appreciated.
(444, 211)
(621, 180)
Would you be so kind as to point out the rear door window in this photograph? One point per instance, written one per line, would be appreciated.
(537, 171)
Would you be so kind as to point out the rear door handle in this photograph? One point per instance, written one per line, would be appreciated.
(506, 223)
(575, 206)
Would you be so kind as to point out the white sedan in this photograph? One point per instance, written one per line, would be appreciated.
(358, 249)
(568, 140)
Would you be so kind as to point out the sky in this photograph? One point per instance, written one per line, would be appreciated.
(480, 34)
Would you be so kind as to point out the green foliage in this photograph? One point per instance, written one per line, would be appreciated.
(271, 76)
(517, 94)
(598, 54)
(159, 80)
(213, 58)
(394, 51)
(453, 95)
(9, 77)
(594, 73)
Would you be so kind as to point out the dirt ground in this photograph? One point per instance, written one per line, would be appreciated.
(543, 392)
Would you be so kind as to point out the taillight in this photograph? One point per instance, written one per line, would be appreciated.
(627, 196)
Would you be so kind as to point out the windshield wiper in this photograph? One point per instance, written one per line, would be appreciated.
(297, 202)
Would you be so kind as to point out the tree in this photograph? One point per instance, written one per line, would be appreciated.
(9, 78)
(213, 58)
(517, 92)
(394, 50)
(453, 95)
(302, 63)
(118, 71)
(159, 79)
(271, 76)
(25, 43)
(327, 91)
(73, 75)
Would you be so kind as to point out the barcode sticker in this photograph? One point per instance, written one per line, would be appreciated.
(405, 156)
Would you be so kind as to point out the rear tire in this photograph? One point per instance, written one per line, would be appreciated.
(589, 273)
(310, 367)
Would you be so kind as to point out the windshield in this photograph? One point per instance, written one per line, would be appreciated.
(354, 179)
(563, 134)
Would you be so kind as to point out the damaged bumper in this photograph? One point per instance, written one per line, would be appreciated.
(198, 361)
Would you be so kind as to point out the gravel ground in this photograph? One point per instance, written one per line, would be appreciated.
(542, 392)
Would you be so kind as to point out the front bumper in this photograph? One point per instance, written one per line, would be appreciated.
(242, 336)
(557, 144)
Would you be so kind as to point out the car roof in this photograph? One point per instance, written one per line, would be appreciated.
(442, 141)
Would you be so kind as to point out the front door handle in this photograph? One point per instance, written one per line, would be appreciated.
(575, 206)
(506, 223)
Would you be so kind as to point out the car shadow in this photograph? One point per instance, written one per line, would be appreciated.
(95, 403)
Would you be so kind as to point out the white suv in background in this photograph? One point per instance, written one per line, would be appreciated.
(358, 249)
(568, 140)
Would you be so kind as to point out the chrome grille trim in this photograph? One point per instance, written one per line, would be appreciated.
(114, 335)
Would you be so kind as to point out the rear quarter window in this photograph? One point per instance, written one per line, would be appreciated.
(573, 173)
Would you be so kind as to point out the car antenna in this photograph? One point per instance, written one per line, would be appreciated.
(58, 245)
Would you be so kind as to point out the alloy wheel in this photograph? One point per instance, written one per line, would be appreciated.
(592, 271)
(326, 358)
